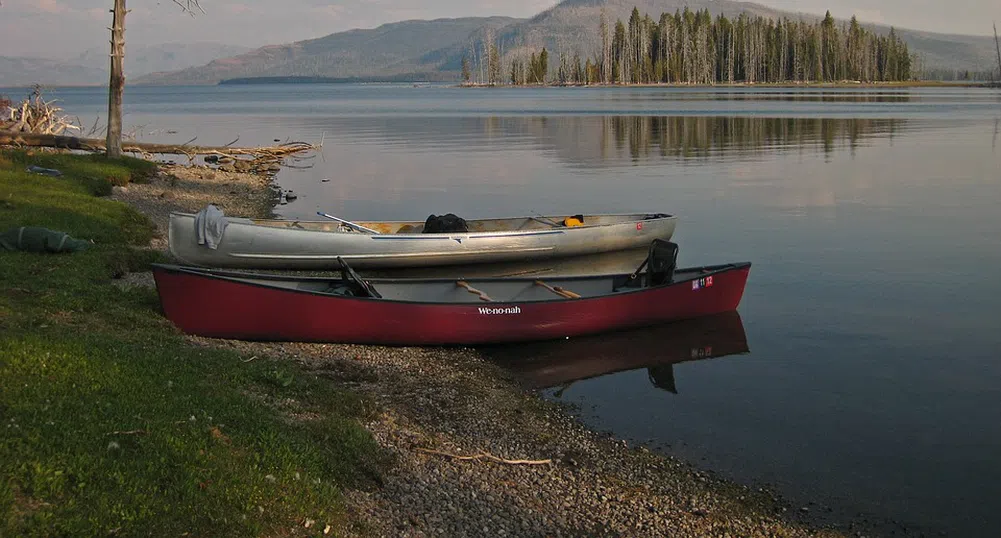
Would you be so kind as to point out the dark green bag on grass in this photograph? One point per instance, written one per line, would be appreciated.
(38, 239)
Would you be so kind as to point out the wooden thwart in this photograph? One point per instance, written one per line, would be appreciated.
(558, 290)
(470, 289)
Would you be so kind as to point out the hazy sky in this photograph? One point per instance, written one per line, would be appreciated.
(64, 28)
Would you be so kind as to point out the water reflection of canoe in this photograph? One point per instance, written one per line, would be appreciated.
(300, 244)
(657, 348)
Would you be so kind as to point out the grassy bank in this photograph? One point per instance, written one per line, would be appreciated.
(113, 423)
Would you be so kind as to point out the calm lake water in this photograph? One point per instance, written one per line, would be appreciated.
(863, 373)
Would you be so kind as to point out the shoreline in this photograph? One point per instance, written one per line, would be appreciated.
(456, 402)
(762, 85)
(985, 84)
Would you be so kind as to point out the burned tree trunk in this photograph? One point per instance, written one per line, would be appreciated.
(997, 47)
(116, 85)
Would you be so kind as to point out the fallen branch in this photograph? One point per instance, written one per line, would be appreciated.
(129, 432)
(488, 456)
(8, 138)
(34, 115)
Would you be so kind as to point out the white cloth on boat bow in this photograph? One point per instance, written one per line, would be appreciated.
(209, 226)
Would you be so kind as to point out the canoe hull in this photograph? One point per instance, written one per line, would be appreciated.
(249, 245)
(215, 304)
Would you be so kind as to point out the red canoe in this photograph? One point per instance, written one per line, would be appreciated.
(228, 304)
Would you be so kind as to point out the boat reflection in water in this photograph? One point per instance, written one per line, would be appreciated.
(555, 363)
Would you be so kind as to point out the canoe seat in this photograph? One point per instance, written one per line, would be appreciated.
(344, 289)
(661, 262)
(351, 278)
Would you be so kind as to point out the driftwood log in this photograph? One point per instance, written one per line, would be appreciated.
(8, 138)
(34, 115)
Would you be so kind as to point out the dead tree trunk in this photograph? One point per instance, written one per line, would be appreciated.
(998, 48)
(116, 85)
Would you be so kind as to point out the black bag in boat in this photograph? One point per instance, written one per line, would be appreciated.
(445, 224)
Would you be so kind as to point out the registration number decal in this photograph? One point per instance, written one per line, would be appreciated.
(706, 282)
(702, 352)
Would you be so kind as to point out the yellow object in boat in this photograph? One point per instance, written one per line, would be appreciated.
(573, 221)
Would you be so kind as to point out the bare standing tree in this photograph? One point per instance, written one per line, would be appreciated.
(997, 48)
(492, 56)
(116, 85)
(606, 50)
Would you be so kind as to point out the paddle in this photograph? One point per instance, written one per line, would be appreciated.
(349, 223)
(549, 222)
(539, 218)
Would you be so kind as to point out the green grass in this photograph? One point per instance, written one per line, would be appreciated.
(210, 452)
(93, 172)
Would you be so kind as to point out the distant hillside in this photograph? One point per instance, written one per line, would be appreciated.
(390, 49)
(573, 24)
(91, 67)
(423, 47)
(28, 71)
(165, 57)
(951, 52)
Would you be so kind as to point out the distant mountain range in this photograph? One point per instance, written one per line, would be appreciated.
(574, 23)
(432, 50)
(18, 71)
(91, 67)
(411, 47)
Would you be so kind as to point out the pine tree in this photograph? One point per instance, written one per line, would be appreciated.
(693, 48)
(543, 65)
(618, 52)
(465, 69)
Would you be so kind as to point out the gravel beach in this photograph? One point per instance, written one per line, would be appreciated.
(473, 453)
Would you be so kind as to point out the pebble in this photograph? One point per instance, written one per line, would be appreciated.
(455, 401)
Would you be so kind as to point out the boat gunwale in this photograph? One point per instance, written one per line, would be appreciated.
(500, 233)
(242, 278)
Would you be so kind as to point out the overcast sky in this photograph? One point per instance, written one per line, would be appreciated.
(64, 28)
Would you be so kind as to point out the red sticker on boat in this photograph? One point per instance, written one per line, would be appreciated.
(639, 225)
(706, 282)
(702, 352)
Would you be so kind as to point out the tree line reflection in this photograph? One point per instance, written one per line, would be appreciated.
(617, 140)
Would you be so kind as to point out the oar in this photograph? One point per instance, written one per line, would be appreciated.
(539, 218)
(349, 223)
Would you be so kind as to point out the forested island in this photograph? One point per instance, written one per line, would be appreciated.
(691, 47)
